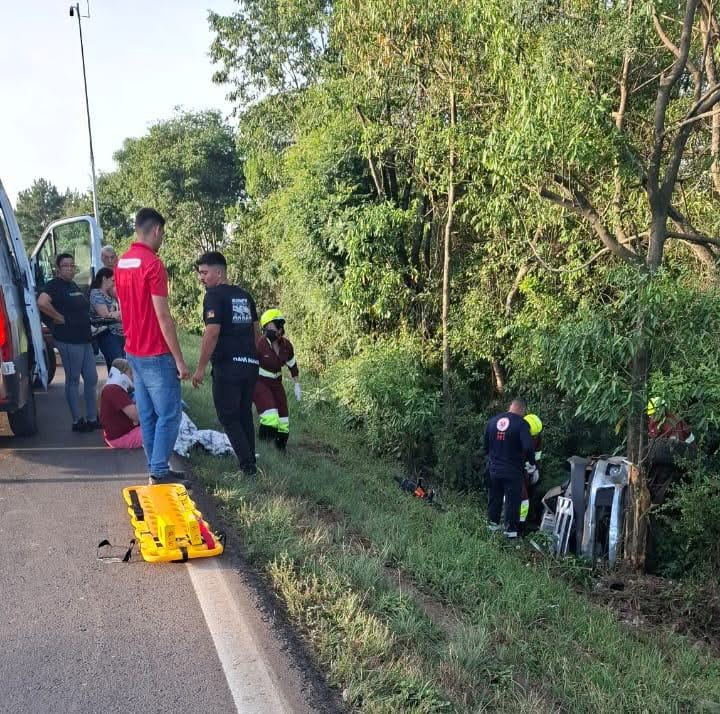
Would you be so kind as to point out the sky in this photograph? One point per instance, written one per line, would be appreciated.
(143, 58)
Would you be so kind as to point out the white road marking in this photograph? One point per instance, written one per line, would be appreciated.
(61, 448)
(247, 676)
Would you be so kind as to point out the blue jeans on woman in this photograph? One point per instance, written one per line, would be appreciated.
(159, 403)
(112, 346)
(78, 360)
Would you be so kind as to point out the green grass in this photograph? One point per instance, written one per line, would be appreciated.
(410, 609)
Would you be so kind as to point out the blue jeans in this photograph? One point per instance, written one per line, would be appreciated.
(159, 403)
(78, 360)
(111, 345)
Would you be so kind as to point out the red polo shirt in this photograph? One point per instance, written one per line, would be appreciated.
(139, 275)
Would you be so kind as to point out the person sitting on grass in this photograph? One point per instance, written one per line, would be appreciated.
(118, 412)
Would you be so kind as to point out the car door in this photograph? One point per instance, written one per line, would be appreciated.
(28, 287)
(81, 237)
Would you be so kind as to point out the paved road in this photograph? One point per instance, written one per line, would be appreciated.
(81, 635)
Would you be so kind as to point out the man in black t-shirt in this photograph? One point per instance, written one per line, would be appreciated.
(65, 304)
(231, 328)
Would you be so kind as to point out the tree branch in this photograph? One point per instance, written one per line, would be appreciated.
(667, 82)
(620, 123)
(694, 71)
(510, 299)
(585, 265)
(370, 159)
(712, 75)
(699, 238)
(582, 207)
(552, 269)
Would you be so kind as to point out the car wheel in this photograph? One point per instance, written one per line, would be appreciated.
(23, 422)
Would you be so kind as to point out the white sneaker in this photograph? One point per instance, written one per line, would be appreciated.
(493, 527)
(510, 534)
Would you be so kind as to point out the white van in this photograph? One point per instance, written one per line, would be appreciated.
(22, 348)
(26, 349)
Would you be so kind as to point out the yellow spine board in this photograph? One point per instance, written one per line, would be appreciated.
(167, 524)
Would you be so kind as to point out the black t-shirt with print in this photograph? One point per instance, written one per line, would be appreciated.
(71, 303)
(234, 310)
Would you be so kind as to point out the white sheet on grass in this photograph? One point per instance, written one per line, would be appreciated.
(215, 442)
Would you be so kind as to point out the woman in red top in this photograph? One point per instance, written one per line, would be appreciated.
(273, 351)
(118, 413)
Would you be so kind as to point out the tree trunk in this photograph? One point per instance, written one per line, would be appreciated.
(658, 236)
(498, 378)
(637, 512)
(707, 29)
(449, 223)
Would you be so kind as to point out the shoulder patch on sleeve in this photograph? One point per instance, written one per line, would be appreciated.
(129, 263)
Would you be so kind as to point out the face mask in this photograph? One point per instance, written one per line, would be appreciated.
(272, 335)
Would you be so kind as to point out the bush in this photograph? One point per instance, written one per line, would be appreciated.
(691, 515)
(460, 461)
(386, 390)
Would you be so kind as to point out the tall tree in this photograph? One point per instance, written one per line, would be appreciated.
(187, 168)
(610, 119)
(424, 112)
(38, 206)
(269, 46)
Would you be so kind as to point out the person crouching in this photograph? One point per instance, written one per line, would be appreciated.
(118, 412)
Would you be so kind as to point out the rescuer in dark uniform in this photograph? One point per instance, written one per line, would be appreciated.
(508, 446)
(231, 329)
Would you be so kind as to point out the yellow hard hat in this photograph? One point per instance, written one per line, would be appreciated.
(536, 426)
(654, 405)
(270, 316)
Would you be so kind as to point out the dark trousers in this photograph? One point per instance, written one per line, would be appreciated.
(233, 404)
(112, 346)
(508, 487)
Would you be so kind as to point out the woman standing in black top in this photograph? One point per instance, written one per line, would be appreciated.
(69, 311)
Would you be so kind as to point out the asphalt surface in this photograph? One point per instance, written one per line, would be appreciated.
(82, 635)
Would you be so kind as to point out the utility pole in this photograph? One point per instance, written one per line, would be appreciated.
(75, 10)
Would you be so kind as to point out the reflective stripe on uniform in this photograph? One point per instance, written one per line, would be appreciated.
(291, 363)
(524, 510)
(268, 374)
(284, 425)
(270, 418)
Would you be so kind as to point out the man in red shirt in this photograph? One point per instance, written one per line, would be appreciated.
(151, 343)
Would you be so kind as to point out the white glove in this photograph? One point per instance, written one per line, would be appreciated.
(534, 476)
(298, 391)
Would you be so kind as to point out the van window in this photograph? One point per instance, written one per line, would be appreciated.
(75, 238)
(45, 263)
(8, 264)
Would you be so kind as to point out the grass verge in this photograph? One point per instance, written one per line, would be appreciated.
(409, 609)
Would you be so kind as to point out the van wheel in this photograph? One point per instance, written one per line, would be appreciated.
(51, 360)
(23, 422)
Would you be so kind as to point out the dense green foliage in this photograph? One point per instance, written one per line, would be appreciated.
(548, 171)
(415, 610)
